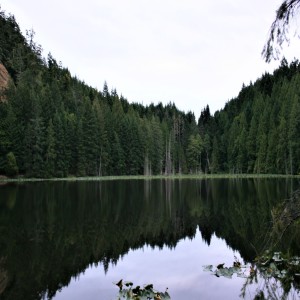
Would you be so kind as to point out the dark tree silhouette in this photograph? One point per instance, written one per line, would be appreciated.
(279, 31)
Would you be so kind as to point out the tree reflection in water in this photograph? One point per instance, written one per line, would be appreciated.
(52, 231)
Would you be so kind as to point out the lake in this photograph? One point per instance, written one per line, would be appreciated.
(74, 239)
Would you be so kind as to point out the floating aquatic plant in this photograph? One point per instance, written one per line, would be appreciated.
(283, 270)
(127, 291)
(228, 272)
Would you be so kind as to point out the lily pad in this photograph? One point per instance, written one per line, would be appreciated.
(128, 292)
(225, 272)
(207, 268)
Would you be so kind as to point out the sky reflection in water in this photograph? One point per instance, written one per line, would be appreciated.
(52, 232)
(181, 271)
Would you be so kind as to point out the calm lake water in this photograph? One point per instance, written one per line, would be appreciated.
(72, 240)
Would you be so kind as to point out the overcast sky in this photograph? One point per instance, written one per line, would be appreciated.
(190, 52)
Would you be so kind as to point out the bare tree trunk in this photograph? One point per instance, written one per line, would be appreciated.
(291, 161)
(100, 167)
(147, 167)
(208, 162)
(168, 166)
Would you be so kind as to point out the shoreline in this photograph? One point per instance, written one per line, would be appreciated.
(153, 177)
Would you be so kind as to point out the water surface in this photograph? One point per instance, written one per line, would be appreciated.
(71, 240)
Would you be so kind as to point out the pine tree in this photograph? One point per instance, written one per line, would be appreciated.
(194, 150)
(156, 147)
(262, 140)
(70, 123)
(90, 136)
(5, 142)
(102, 140)
(215, 157)
(60, 146)
(35, 143)
(294, 137)
(207, 151)
(50, 150)
(81, 159)
(281, 157)
(118, 157)
(11, 168)
(251, 143)
(147, 142)
(233, 145)
(271, 151)
(241, 140)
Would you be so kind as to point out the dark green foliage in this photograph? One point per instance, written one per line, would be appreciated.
(258, 132)
(34, 148)
(80, 157)
(11, 167)
(90, 136)
(50, 150)
(194, 152)
(118, 156)
(61, 164)
(58, 126)
(5, 142)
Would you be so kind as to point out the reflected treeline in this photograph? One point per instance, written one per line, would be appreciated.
(240, 210)
(51, 231)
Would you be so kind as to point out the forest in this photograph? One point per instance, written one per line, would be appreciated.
(54, 125)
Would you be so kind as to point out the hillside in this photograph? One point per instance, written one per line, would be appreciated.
(259, 131)
(54, 125)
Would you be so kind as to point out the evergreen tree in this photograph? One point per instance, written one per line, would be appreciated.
(70, 123)
(251, 143)
(34, 155)
(206, 152)
(90, 136)
(56, 125)
(80, 157)
(194, 150)
(271, 151)
(11, 168)
(50, 150)
(294, 137)
(156, 147)
(118, 156)
(60, 146)
(5, 143)
(215, 157)
(102, 139)
(281, 158)
(262, 140)
(241, 159)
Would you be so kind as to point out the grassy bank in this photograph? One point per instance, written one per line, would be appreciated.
(141, 177)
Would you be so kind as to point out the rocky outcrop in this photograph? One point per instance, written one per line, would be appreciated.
(4, 80)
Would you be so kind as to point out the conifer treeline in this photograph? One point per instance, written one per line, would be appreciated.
(259, 131)
(54, 125)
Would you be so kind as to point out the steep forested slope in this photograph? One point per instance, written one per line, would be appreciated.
(259, 131)
(54, 125)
